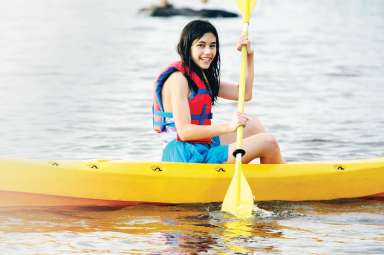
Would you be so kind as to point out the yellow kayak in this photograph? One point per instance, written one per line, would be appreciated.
(119, 183)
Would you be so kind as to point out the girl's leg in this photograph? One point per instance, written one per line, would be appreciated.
(254, 126)
(257, 144)
(262, 145)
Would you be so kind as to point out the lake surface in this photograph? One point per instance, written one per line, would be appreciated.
(76, 80)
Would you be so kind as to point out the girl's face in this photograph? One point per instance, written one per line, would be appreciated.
(203, 50)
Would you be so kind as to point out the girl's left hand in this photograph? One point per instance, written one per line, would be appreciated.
(244, 41)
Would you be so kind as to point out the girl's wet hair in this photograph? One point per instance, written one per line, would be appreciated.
(192, 31)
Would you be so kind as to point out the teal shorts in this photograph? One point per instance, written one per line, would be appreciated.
(178, 151)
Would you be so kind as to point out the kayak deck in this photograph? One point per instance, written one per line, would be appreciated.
(121, 183)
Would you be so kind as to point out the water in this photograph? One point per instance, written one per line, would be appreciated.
(76, 80)
(284, 228)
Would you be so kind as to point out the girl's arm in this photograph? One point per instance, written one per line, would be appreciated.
(178, 88)
(230, 90)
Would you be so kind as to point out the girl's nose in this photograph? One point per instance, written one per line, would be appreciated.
(208, 50)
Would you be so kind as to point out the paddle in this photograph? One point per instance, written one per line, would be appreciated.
(239, 198)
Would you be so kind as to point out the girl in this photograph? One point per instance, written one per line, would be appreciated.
(184, 95)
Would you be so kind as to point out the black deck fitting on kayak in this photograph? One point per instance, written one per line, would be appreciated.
(54, 163)
(220, 169)
(94, 166)
(156, 169)
(241, 151)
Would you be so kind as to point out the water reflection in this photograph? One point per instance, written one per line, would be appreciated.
(187, 229)
(182, 229)
(244, 237)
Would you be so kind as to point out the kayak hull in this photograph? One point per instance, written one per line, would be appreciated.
(121, 183)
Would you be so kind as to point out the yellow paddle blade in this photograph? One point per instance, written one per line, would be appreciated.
(238, 200)
(246, 7)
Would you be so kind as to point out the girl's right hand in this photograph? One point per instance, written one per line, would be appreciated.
(244, 41)
(239, 119)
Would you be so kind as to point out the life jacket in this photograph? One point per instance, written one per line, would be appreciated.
(200, 103)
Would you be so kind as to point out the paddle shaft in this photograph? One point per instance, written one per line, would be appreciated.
(240, 108)
(243, 75)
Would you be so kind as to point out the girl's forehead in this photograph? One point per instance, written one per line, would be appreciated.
(207, 37)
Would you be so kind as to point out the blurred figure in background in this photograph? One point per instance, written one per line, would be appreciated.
(166, 3)
(166, 9)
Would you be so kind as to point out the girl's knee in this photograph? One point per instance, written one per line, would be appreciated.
(254, 126)
(271, 153)
(270, 142)
(261, 145)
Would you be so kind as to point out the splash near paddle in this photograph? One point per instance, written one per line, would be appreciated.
(238, 199)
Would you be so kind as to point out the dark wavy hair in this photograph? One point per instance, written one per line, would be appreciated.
(192, 31)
